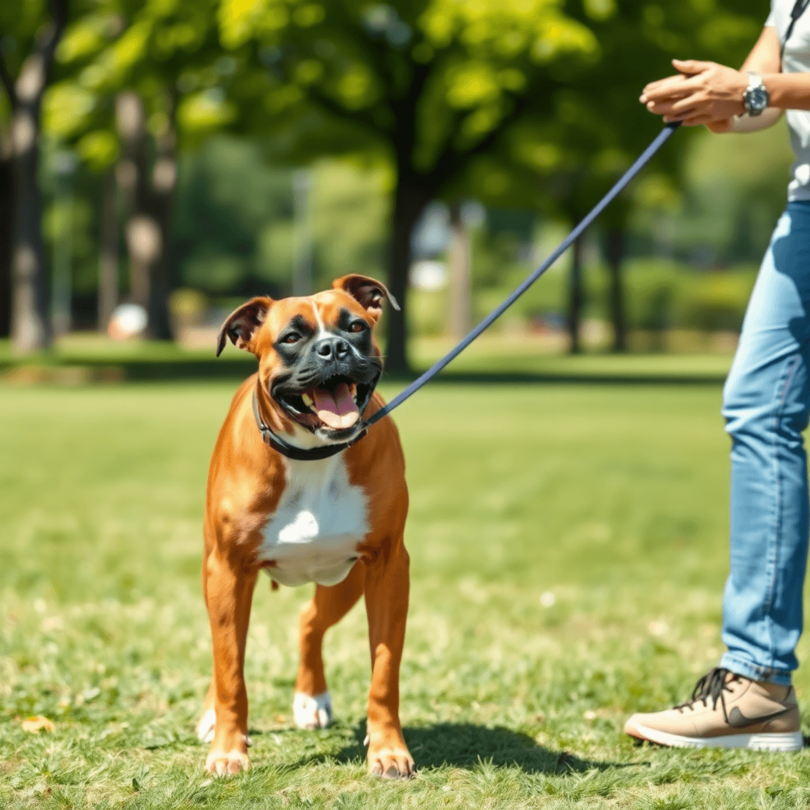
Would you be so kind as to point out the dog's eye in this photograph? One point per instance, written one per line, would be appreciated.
(292, 337)
(357, 326)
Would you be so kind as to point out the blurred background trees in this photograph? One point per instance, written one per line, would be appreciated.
(193, 153)
(25, 72)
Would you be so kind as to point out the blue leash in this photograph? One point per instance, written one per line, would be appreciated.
(642, 161)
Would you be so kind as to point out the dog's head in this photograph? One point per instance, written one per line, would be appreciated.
(318, 359)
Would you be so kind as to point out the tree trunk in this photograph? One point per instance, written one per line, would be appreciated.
(576, 298)
(64, 165)
(6, 220)
(108, 259)
(410, 200)
(164, 182)
(148, 210)
(30, 327)
(460, 315)
(142, 237)
(615, 256)
(302, 232)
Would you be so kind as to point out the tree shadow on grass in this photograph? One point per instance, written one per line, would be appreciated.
(464, 745)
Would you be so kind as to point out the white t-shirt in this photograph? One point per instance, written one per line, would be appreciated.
(795, 60)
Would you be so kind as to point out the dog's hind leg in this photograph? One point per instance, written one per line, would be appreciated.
(312, 707)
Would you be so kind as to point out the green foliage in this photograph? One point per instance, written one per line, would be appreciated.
(227, 196)
(429, 81)
(350, 212)
(168, 51)
(529, 104)
(70, 217)
(585, 129)
(715, 303)
(668, 295)
(234, 226)
(736, 190)
(660, 294)
(19, 24)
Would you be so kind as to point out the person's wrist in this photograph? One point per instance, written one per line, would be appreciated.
(756, 97)
(740, 89)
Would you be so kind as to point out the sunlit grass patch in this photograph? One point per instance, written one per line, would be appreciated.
(568, 545)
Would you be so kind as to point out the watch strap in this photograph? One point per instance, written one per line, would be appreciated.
(755, 87)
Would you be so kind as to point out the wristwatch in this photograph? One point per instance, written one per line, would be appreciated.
(756, 96)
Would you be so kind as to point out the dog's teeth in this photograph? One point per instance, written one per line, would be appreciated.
(307, 400)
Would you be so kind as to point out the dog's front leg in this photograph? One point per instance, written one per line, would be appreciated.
(229, 591)
(386, 589)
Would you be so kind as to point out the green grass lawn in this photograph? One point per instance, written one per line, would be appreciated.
(568, 545)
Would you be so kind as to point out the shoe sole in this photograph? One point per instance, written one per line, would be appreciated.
(786, 742)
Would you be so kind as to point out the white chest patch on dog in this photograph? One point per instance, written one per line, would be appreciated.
(313, 534)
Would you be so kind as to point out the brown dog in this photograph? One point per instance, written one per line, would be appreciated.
(275, 503)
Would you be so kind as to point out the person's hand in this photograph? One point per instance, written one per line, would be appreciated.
(719, 127)
(702, 93)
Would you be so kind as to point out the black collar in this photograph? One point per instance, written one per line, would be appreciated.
(298, 453)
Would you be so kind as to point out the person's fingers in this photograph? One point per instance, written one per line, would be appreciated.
(682, 116)
(696, 121)
(682, 105)
(664, 97)
(670, 82)
(691, 66)
(678, 87)
(660, 107)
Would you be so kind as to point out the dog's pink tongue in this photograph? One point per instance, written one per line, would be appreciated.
(336, 409)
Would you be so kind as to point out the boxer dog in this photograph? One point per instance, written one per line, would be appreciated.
(281, 499)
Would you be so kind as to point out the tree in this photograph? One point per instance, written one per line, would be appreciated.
(560, 159)
(25, 74)
(433, 84)
(6, 229)
(136, 80)
(638, 41)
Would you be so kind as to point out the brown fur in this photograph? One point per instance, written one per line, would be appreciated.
(245, 483)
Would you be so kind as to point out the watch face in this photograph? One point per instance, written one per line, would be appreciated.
(758, 98)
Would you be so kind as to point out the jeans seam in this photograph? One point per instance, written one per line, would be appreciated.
(784, 385)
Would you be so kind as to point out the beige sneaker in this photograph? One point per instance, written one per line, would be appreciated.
(726, 711)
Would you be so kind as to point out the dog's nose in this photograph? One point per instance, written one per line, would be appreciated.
(332, 348)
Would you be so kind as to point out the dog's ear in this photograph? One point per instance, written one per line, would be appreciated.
(241, 325)
(368, 292)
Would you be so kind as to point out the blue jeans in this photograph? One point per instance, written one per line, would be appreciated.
(766, 403)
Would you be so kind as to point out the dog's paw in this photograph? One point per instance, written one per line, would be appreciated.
(222, 763)
(312, 711)
(391, 764)
(205, 728)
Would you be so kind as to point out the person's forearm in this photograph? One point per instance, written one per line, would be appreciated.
(788, 91)
(765, 60)
(745, 123)
(765, 55)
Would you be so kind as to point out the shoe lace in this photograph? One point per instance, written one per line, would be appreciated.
(711, 687)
